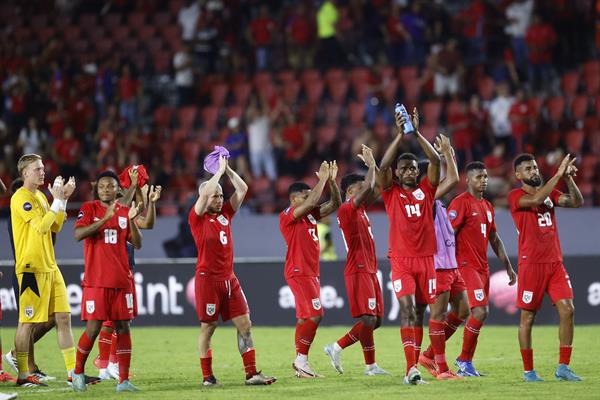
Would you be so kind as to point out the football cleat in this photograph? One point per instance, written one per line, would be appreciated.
(259, 379)
(335, 356)
(466, 368)
(374, 369)
(126, 386)
(6, 377)
(78, 382)
(413, 377)
(564, 373)
(42, 376)
(428, 364)
(8, 396)
(303, 370)
(448, 376)
(210, 381)
(113, 370)
(11, 361)
(532, 376)
(89, 380)
(30, 381)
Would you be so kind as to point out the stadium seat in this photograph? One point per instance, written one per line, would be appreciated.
(592, 84)
(266, 91)
(260, 186)
(361, 90)
(290, 91)
(536, 104)
(38, 22)
(136, 21)
(129, 45)
(171, 34)
(432, 110)
(180, 135)
(95, 34)
(569, 83)
(234, 112)
(218, 94)
(337, 90)
(486, 88)
(71, 33)
(556, 108)
(326, 135)
(186, 116)
(360, 74)
(411, 92)
(88, 20)
(589, 165)
(591, 68)
(574, 141)
(162, 19)
(356, 113)
(210, 117)
(104, 46)
(175, 6)
(262, 78)
(454, 107)
(594, 142)
(579, 107)
(390, 91)
(286, 76)
(60, 21)
(332, 111)
(381, 131)
(387, 72)
(162, 62)
(163, 116)
(146, 32)
(241, 93)
(334, 74)
(282, 185)
(307, 113)
(429, 132)
(79, 45)
(310, 75)
(313, 91)
(120, 32)
(154, 45)
(407, 74)
(111, 21)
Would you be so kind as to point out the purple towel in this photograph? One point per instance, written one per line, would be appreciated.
(211, 161)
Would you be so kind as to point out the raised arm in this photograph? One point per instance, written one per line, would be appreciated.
(385, 174)
(498, 247)
(67, 190)
(2, 188)
(147, 221)
(83, 232)
(433, 170)
(209, 188)
(241, 188)
(368, 192)
(443, 147)
(315, 194)
(534, 200)
(573, 199)
(129, 194)
(136, 235)
(335, 200)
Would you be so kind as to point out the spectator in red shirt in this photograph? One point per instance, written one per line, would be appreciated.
(540, 39)
(398, 39)
(129, 88)
(294, 141)
(472, 20)
(300, 32)
(520, 115)
(67, 153)
(56, 119)
(260, 35)
(498, 170)
(81, 113)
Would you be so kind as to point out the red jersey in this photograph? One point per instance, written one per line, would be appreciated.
(410, 212)
(358, 238)
(473, 221)
(105, 253)
(536, 227)
(302, 239)
(212, 234)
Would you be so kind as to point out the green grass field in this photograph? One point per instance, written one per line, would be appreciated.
(165, 365)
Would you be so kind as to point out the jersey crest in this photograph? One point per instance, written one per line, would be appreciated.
(223, 220)
(316, 303)
(210, 309)
(489, 215)
(90, 306)
(122, 222)
(548, 202)
(311, 219)
(27, 206)
(372, 303)
(527, 296)
(419, 195)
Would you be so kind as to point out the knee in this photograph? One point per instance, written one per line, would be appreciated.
(480, 313)
(62, 319)
(369, 320)
(317, 319)
(567, 311)
(245, 327)
(408, 316)
(527, 320)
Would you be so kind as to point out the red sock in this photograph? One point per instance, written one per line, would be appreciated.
(307, 335)
(470, 335)
(418, 341)
(408, 342)
(351, 337)
(249, 360)
(527, 355)
(565, 355)
(113, 348)
(124, 355)
(1, 357)
(451, 324)
(298, 329)
(368, 343)
(438, 343)
(206, 364)
(104, 343)
(84, 347)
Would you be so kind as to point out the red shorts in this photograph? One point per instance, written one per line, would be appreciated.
(449, 280)
(218, 297)
(104, 304)
(134, 292)
(364, 295)
(478, 286)
(414, 276)
(307, 295)
(536, 279)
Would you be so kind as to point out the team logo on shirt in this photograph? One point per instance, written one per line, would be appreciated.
(29, 311)
(316, 304)
(90, 306)
(210, 309)
(397, 285)
(27, 206)
(479, 295)
(419, 195)
(489, 215)
(372, 303)
(452, 214)
(548, 202)
(311, 219)
(122, 222)
(527, 296)
(224, 221)
(80, 215)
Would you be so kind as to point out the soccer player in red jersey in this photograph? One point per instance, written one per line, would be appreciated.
(360, 273)
(298, 225)
(473, 220)
(412, 242)
(218, 291)
(106, 226)
(541, 268)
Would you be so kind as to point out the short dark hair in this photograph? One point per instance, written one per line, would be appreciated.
(349, 180)
(474, 165)
(521, 158)
(297, 187)
(108, 174)
(407, 156)
(16, 184)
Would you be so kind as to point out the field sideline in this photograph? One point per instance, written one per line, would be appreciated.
(165, 365)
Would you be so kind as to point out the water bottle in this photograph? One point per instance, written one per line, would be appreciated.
(408, 127)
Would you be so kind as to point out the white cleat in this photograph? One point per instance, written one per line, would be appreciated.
(414, 377)
(104, 375)
(374, 369)
(8, 396)
(113, 370)
(303, 370)
(10, 361)
(335, 356)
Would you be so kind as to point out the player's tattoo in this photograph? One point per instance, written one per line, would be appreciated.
(244, 341)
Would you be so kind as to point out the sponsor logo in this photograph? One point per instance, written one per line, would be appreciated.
(311, 219)
(527, 296)
(479, 295)
(223, 220)
(80, 215)
(419, 195)
(129, 300)
(90, 306)
(27, 206)
(397, 285)
(489, 215)
(548, 202)
(29, 311)
(452, 214)
(210, 309)
(316, 304)
(474, 214)
(122, 222)
(372, 303)
(403, 196)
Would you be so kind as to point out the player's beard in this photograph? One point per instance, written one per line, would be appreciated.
(535, 182)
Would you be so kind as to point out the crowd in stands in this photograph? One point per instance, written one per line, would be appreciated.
(94, 85)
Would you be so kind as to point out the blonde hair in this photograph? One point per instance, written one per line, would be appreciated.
(25, 160)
